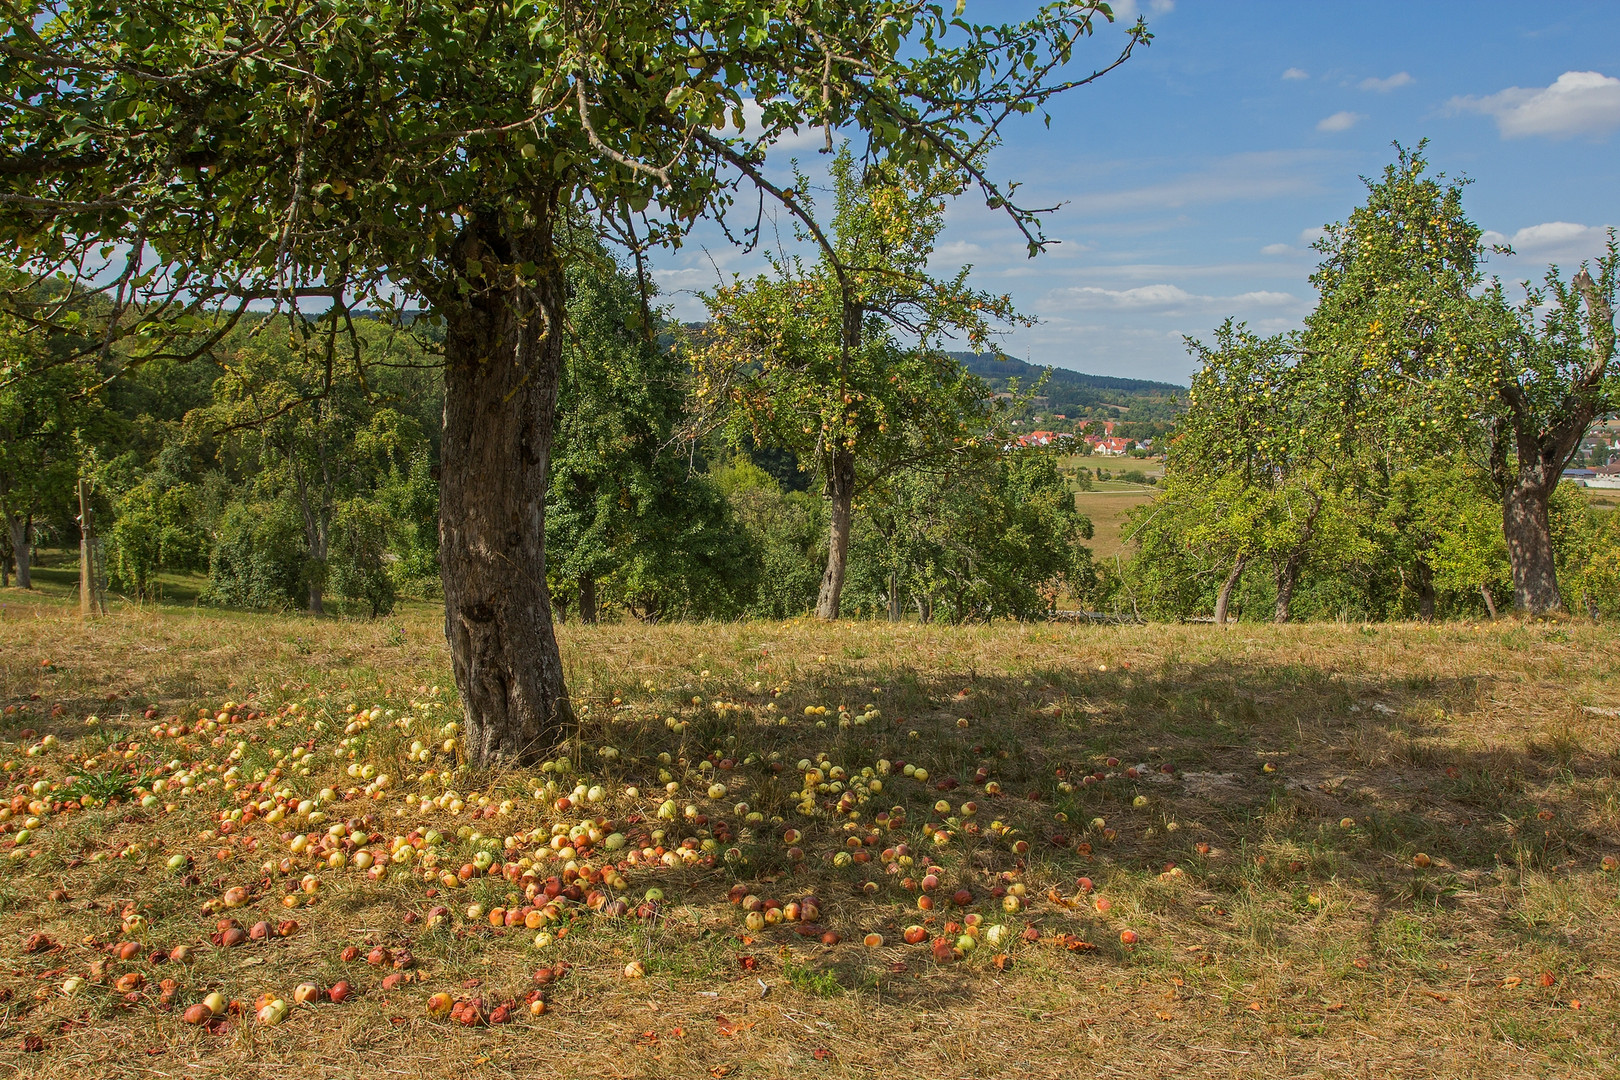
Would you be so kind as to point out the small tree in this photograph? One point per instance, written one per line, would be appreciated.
(807, 359)
(1552, 375)
(627, 518)
(42, 406)
(319, 441)
(993, 533)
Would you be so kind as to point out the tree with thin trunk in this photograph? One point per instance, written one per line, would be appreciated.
(309, 435)
(808, 358)
(41, 404)
(1223, 599)
(324, 157)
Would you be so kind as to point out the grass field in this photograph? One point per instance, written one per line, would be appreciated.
(1265, 795)
(1107, 510)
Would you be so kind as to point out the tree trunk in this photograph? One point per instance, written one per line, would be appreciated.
(1490, 601)
(1287, 578)
(1223, 600)
(503, 363)
(89, 594)
(587, 598)
(1530, 550)
(22, 557)
(841, 486)
(896, 612)
(1425, 585)
(317, 529)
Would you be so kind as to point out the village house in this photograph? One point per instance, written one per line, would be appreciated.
(1112, 446)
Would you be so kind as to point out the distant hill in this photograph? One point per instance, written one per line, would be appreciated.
(1078, 394)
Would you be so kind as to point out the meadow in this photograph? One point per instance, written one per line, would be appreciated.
(1312, 850)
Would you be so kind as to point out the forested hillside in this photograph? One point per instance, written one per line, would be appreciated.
(1078, 395)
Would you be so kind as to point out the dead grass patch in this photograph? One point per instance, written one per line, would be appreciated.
(1309, 766)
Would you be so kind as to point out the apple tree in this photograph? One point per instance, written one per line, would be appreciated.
(193, 161)
(810, 358)
(1420, 355)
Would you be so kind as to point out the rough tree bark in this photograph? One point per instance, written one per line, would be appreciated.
(1542, 450)
(896, 610)
(1526, 528)
(1223, 599)
(1490, 601)
(1287, 579)
(503, 364)
(90, 602)
(1425, 590)
(841, 488)
(21, 554)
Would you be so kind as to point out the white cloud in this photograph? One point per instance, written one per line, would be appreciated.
(1162, 298)
(1577, 103)
(753, 114)
(1307, 237)
(1339, 121)
(1554, 241)
(1126, 11)
(1249, 177)
(1295, 73)
(1384, 86)
(960, 251)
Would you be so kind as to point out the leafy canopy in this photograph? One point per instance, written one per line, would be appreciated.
(182, 157)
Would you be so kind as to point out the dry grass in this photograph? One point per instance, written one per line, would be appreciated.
(1296, 946)
(1107, 510)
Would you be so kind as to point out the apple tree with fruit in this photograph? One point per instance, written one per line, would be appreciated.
(195, 162)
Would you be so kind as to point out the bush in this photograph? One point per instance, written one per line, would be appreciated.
(357, 565)
(786, 530)
(157, 526)
(259, 559)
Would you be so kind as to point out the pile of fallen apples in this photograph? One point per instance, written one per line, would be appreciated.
(565, 841)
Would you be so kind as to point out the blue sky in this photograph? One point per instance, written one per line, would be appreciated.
(1193, 177)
